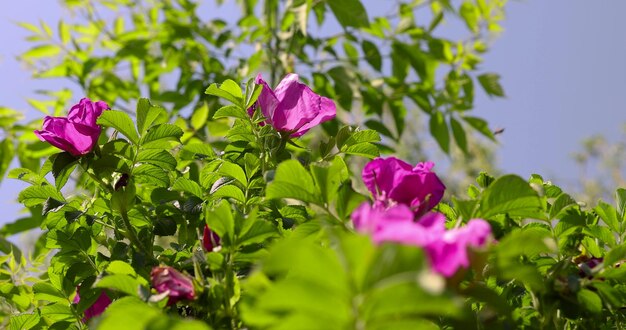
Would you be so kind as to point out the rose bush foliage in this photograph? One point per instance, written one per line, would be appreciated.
(269, 232)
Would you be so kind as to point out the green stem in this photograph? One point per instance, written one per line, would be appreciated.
(132, 235)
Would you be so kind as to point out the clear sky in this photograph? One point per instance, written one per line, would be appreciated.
(562, 64)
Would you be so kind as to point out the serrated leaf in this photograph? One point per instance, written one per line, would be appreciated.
(184, 184)
(6, 155)
(37, 195)
(121, 268)
(161, 133)
(121, 122)
(63, 165)
(229, 191)
(228, 90)
(120, 282)
(151, 174)
(160, 158)
(234, 171)
(590, 301)
(293, 181)
(149, 115)
(46, 291)
(230, 111)
(64, 32)
(368, 150)
(510, 195)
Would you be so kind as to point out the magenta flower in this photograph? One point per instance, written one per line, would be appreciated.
(446, 249)
(97, 308)
(178, 286)
(394, 181)
(78, 132)
(292, 107)
(209, 239)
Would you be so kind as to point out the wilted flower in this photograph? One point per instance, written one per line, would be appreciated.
(178, 286)
(210, 240)
(97, 308)
(292, 107)
(393, 181)
(446, 249)
(78, 132)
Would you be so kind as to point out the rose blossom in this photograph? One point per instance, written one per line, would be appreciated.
(97, 308)
(394, 181)
(209, 239)
(446, 249)
(78, 132)
(168, 279)
(292, 107)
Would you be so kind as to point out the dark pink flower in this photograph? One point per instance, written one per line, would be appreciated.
(292, 107)
(97, 308)
(393, 181)
(178, 286)
(209, 239)
(446, 249)
(78, 132)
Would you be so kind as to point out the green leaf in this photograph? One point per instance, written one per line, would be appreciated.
(234, 171)
(480, 125)
(160, 158)
(42, 51)
(620, 200)
(157, 135)
(470, 15)
(616, 254)
(220, 219)
(37, 195)
(149, 115)
(57, 312)
(121, 122)
(363, 149)
(228, 190)
(120, 282)
(184, 184)
(228, 90)
(491, 84)
(590, 301)
(349, 13)
(121, 268)
(63, 165)
(151, 174)
(293, 181)
(328, 177)
(64, 32)
(439, 130)
(46, 291)
(6, 155)
(608, 214)
(510, 195)
(230, 111)
(459, 134)
(372, 55)
(23, 321)
(560, 205)
(199, 117)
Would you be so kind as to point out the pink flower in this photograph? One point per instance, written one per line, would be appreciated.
(446, 249)
(97, 308)
(78, 132)
(292, 107)
(209, 239)
(178, 286)
(394, 181)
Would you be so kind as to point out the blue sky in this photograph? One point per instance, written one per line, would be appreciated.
(562, 64)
